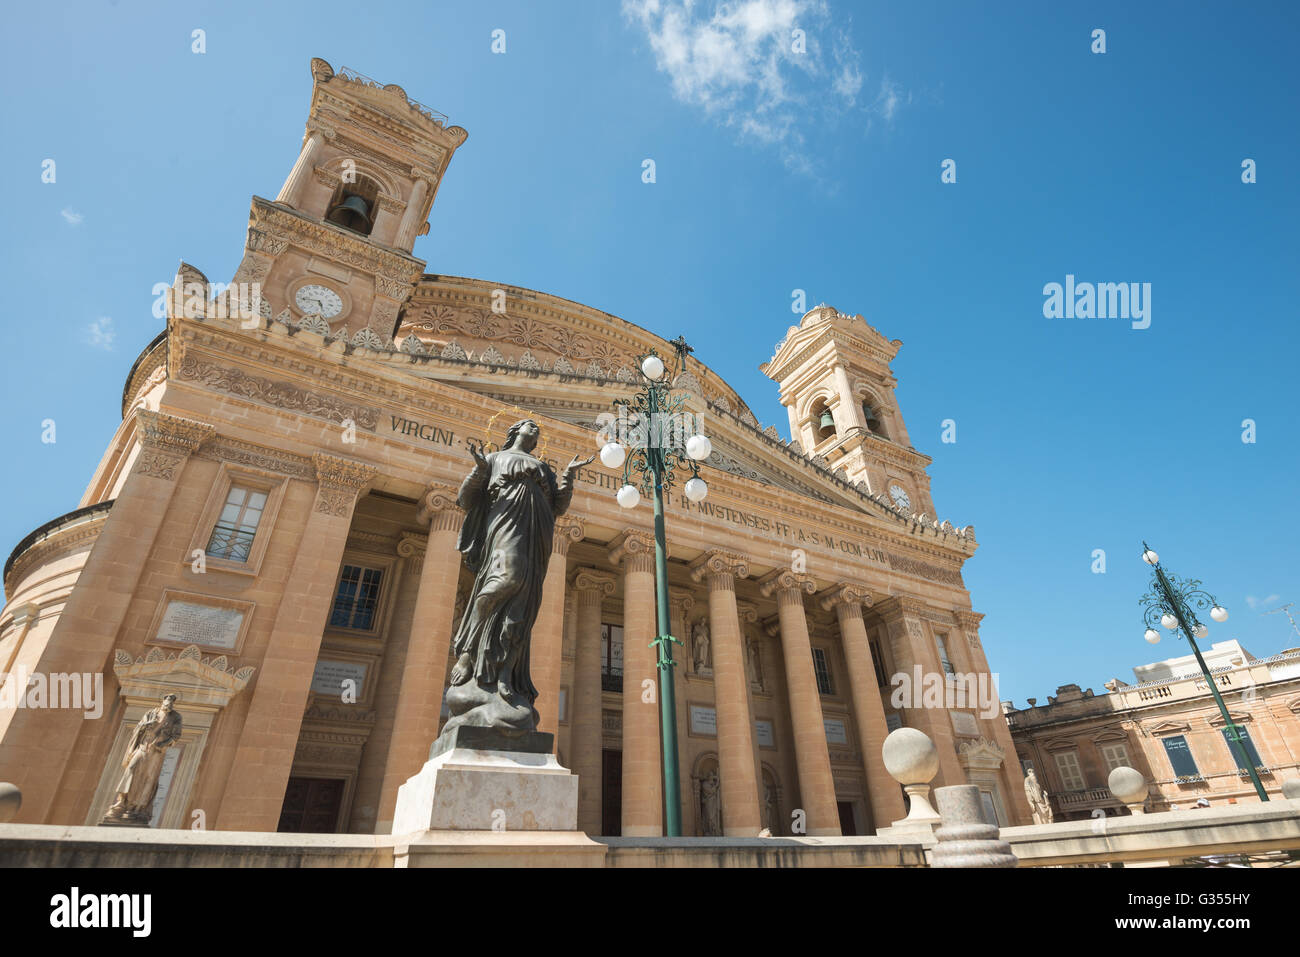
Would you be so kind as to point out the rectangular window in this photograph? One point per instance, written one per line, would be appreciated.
(232, 536)
(1115, 756)
(1243, 735)
(878, 661)
(1067, 762)
(823, 669)
(941, 641)
(357, 600)
(611, 657)
(1180, 756)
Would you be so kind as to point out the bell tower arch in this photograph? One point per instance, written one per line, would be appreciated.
(334, 247)
(836, 384)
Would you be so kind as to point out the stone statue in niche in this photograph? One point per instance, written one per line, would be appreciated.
(1039, 805)
(753, 665)
(711, 805)
(770, 811)
(511, 499)
(154, 733)
(700, 647)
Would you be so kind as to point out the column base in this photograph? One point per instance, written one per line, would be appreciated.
(485, 779)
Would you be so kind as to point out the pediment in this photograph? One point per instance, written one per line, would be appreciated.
(1169, 727)
(1110, 734)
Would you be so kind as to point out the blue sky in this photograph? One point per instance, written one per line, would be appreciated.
(774, 172)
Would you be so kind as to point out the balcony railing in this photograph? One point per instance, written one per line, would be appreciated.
(1076, 799)
(611, 682)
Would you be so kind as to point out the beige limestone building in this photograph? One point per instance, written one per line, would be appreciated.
(1167, 726)
(271, 533)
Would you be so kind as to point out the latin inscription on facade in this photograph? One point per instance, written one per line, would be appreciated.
(704, 720)
(330, 675)
(211, 626)
(836, 733)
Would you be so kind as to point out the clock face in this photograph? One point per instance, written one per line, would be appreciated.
(315, 298)
(900, 497)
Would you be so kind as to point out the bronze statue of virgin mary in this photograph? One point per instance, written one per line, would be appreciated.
(511, 499)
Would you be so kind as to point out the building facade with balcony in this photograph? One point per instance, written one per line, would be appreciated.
(1167, 726)
(272, 534)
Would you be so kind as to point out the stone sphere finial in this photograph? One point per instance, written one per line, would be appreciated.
(1291, 790)
(910, 756)
(1130, 787)
(11, 799)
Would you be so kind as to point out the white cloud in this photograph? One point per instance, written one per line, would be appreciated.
(100, 333)
(740, 62)
(71, 216)
(1256, 602)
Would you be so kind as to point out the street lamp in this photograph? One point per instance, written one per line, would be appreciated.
(1170, 601)
(659, 448)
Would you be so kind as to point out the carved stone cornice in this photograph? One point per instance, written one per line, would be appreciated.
(568, 529)
(722, 569)
(327, 177)
(782, 580)
(634, 549)
(390, 203)
(223, 449)
(898, 608)
(593, 585)
(333, 242)
(969, 621)
(396, 289)
(199, 682)
(56, 543)
(282, 395)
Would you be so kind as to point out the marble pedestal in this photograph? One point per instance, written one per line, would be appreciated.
(489, 779)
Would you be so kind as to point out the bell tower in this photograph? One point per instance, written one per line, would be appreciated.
(333, 251)
(837, 387)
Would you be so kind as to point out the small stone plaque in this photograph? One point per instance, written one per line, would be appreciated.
(963, 722)
(836, 733)
(330, 675)
(763, 732)
(209, 626)
(704, 721)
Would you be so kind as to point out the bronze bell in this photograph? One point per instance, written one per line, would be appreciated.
(353, 213)
(827, 420)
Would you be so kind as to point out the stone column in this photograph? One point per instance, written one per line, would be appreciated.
(850, 416)
(548, 631)
(291, 192)
(254, 793)
(424, 672)
(35, 744)
(411, 218)
(868, 710)
(915, 656)
(740, 812)
(995, 726)
(592, 587)
(812, 755)
(642, 767)
(680, 604)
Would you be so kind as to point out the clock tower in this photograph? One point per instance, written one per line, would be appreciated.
(837, 387)
(332, 253)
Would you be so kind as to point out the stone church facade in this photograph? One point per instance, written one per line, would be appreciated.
(271, 534)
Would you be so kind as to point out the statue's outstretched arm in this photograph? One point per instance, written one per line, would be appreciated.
(564, 486)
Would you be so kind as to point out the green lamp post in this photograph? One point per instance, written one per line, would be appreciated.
(652, 426)
(1170, 603)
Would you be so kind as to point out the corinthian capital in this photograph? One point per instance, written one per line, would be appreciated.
(171, 433)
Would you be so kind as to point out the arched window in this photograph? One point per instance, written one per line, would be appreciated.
(874, 423)
(353, 205)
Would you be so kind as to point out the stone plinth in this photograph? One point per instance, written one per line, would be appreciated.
(485, 779)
